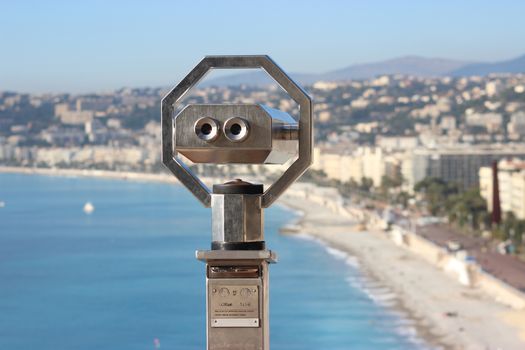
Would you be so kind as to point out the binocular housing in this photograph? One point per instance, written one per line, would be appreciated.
(235, 134)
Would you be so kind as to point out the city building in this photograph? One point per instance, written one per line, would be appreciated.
(459, 164)
(511, 183)
(491, 121)
(516, 125)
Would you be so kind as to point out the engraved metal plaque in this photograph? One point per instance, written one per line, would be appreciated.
(234, 305)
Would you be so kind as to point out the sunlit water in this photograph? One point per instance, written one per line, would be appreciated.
(125, 277)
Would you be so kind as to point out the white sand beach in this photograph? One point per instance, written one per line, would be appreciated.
(448, 315)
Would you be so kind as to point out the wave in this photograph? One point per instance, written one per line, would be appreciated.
(306, 237)
(380, 294)
(349, 259)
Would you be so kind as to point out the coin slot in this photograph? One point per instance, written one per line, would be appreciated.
(233, 272)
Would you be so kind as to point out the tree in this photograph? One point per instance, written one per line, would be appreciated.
(468, 208)
(511, 228)
(388, 182)
(402, 198)
(436, 193)
(366, 184)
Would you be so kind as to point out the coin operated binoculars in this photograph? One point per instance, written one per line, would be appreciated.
(237, 265)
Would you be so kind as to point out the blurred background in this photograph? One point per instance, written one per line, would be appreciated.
(419, 112)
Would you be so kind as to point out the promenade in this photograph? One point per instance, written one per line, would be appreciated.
(507, 268)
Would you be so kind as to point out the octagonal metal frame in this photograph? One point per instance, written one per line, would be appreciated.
(170, 101)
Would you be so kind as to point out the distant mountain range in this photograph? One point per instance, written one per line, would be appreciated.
(516, 65)
(408, 65)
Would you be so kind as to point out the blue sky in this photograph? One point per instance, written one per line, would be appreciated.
(82, 46)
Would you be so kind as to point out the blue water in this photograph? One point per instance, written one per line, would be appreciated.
(126, 275)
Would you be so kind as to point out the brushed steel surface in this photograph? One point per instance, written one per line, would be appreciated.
(237, 218)
(235, 322)
(218, 256)
(240, 337)
(234, 302)
(255, 144)
(220, 271)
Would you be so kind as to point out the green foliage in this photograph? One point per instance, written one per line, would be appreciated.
(401, 124)
(436, 193)
(463, 208)
(511, 228)
(388, 182)
(38, 118)
(366, 184)
(468, 208)
(402, 198)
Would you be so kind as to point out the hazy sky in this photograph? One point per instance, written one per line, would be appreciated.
(80, 46)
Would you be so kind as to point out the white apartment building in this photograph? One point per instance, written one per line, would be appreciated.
(486, 185)
(373, 162)
(458, 164)
(511, 183)
(73, 117)
(448, 123)
(516, 125)
(397, 143)
(493, 88)
(491, 121)
(518, 194)
(344, 165)
(337, 164)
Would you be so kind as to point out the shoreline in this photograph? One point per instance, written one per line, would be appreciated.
(410, 325)
(414, 326)
(106, 174)
(443, 313)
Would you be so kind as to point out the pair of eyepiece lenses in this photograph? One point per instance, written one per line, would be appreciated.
(235, 129)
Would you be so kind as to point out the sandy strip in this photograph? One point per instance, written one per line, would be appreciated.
(447, 314)
(107, 174)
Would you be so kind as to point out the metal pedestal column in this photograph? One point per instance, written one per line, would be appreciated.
(237, 299)
(237, 290)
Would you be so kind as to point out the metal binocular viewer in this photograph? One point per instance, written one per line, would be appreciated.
(237, 264)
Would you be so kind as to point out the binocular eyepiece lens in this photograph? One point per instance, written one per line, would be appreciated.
(207, 129)
(236, 129)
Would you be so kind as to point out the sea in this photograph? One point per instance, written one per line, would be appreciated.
(125, 276)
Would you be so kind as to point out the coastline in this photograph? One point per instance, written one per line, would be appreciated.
(106, 174)
(443, 313)
(410, 325)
